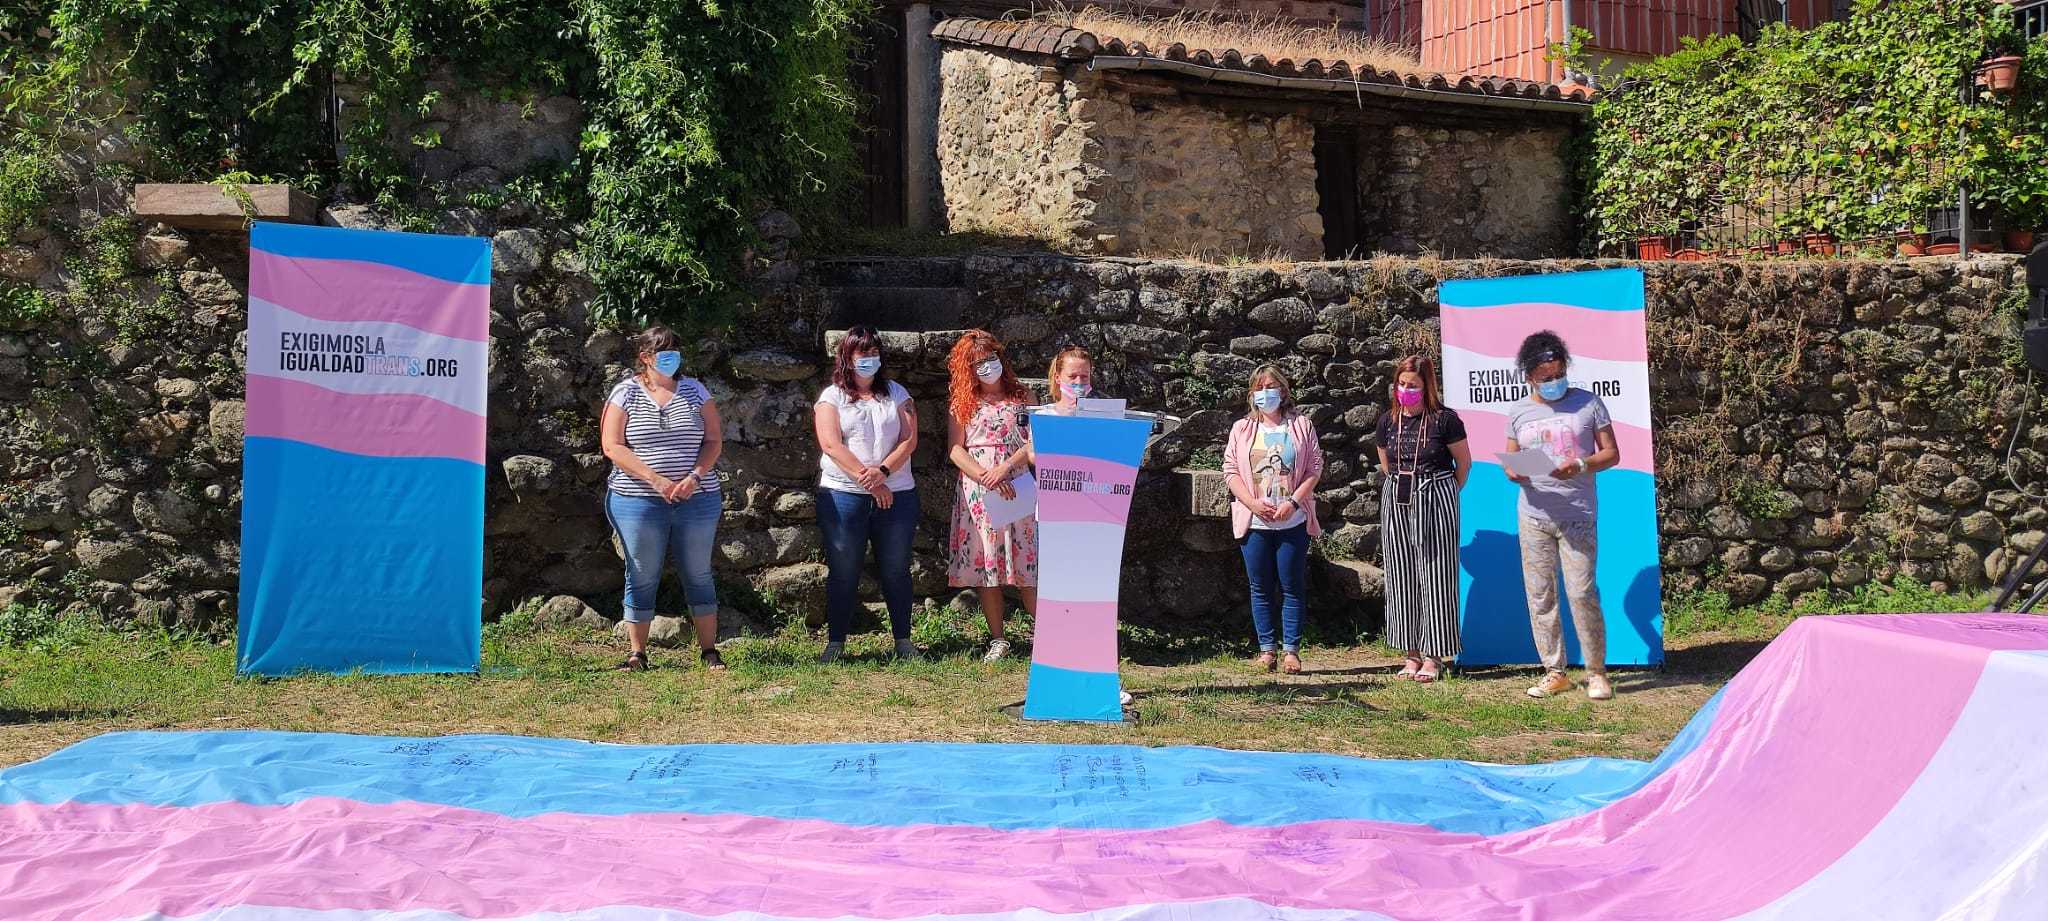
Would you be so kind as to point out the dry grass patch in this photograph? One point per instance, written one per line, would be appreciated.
(1273, 36)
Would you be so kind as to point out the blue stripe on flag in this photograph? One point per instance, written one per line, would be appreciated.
(1118, 441)
(346, 557)
(1609, 289)
(459, 259)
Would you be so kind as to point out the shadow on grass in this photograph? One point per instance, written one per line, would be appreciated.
(22, 716)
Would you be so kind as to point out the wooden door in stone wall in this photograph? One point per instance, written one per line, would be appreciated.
(878, 75)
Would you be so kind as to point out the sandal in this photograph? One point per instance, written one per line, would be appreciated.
(1409, 666)
(635, 662)
(1430, 671)
(1291, 664)
(712, 660)
(1266, 661)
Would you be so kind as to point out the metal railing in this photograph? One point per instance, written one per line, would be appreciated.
(2032, 16)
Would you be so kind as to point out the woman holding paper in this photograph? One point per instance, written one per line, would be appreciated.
(1572, 428)
(867, 432)
(986, 440)
(661, 432)
(1272, 464)
(1424, 454)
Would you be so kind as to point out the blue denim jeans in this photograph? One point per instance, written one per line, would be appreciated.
(1276, 563)
(849, 522)
(651, 530)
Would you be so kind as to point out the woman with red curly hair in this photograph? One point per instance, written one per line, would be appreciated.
(989, 445)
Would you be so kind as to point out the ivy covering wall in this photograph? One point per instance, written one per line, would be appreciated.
(1856, 128)
(702, 112)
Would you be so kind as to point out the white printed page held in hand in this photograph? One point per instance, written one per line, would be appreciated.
(1005, 512)
(1529, 462)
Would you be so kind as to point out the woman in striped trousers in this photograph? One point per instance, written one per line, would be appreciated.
(1426, 460)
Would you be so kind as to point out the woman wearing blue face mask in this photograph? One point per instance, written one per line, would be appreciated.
(867, 431)
(1558, 510)
(1272, 464)
(661, 433)
(1071, 377)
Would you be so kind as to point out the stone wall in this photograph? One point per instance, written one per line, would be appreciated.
(1821, 424)
(1139, 164)
(1189, 179)
(1013, 159)
(1461, 193)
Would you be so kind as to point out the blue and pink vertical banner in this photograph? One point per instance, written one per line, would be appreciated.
(363, 462)
(1087, 468)
(1600, 316)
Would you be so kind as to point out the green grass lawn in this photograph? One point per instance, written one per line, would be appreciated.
(62, 680)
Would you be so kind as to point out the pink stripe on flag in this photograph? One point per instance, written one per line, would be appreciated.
(348, 290)
(1487, 433)
(1058, 505)
(378, 425)
(1590, 333)
(1085, 640)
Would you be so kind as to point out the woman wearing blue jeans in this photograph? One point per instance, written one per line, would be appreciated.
(867, 430)
(661, 433)
(1272, 464)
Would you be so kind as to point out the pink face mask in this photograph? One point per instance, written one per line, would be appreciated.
(1409, 396)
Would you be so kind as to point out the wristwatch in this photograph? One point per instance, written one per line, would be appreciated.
(884, 468)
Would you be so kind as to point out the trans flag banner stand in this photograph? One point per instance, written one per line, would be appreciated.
(363, 477)
(1601, 319)
(1086, 470)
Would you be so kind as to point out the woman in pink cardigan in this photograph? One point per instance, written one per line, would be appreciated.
(1271, 465)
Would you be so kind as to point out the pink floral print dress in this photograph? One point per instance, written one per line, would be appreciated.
(983, 556)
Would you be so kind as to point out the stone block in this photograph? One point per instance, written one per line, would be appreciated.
(205, 206)
(1356, 580)
(1204, 493)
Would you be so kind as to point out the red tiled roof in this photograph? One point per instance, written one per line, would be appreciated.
(1032, 36)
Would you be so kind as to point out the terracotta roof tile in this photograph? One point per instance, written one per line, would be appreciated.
(1032, 36)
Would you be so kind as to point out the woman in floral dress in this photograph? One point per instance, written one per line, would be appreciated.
(988, 442)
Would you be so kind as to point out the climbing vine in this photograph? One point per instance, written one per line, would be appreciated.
(703, 113)
(1854, 128)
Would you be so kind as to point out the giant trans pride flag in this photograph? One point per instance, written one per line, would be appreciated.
(363, 478)
(1868, 768)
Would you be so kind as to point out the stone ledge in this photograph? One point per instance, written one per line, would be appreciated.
(205, 206)
(1355, 579)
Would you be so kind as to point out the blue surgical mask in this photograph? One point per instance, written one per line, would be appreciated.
(868, 366)
(1554, 389)
(1075, 391)
(1267, 400)
(668, 363)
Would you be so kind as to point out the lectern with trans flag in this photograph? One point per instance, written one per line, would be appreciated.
(1087, 467)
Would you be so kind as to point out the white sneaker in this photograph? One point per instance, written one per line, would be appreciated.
(1123, 697)
(996, 651)
(1598, 688)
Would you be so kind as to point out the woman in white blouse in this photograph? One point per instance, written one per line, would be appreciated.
(867, 430)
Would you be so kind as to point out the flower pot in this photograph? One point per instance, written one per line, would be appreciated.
(1785, 247)
(1650, 248)
(1820, 244)
(1951, 248)
(2019, 241)
(1690, 255)
(1912, 244)
(2000, 75)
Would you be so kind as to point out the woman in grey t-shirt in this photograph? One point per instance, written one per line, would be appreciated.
(1557, 511)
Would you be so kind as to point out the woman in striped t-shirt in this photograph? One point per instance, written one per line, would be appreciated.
(661, 433)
